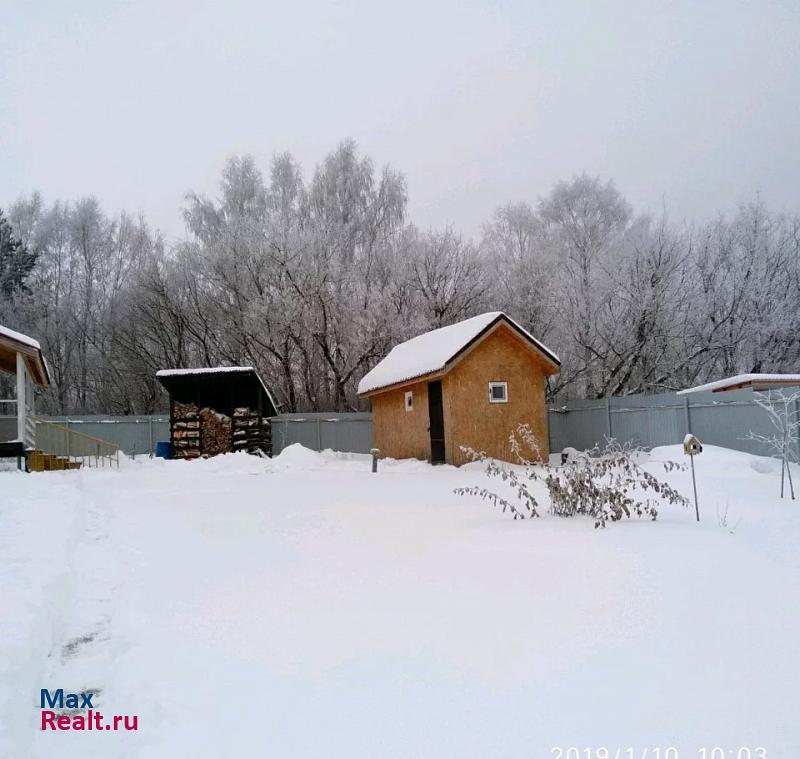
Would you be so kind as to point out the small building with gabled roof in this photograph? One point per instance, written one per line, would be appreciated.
(468, 385)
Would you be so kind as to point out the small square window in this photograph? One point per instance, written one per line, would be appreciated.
(409, 401)
(498, 392)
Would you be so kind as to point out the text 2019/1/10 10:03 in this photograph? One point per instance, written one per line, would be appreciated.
(629, 752)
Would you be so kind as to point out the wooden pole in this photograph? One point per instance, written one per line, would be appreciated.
(796, 419)
(687, 415)
(784, 465)
(21, 404)
(783, 473)
(694, 486)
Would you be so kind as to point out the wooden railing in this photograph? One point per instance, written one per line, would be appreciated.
(57, 440)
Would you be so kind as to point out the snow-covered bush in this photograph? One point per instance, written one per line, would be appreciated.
(606, 483)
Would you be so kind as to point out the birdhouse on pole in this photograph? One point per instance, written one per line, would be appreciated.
(692, 445)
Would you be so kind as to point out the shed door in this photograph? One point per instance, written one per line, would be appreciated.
(436, 419)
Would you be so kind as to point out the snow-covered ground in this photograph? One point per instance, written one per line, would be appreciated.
(305, 607)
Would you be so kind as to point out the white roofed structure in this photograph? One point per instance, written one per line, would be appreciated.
(741, 381)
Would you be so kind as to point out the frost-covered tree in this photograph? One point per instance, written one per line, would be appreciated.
(523, 269)
(313, 278)
(782, 408)
(75, 299)
(448, 277)
(585, 222)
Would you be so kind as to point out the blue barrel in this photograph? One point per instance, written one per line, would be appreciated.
(164, 450)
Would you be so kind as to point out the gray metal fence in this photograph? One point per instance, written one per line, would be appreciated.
(138, 434)
(133, 435)
(723, 419)
(341, 432)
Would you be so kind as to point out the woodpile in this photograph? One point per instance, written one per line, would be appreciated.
(216, 410)
(185, 431)
(250, 431)
(215, 432)
(205, 432)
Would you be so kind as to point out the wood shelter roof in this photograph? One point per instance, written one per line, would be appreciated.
(222, 388)
(11, 343)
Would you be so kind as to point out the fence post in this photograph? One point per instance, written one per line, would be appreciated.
(687, 414)
(608, 419)
(66, 424)
(319, 435)
(150, 429)
(797, 417)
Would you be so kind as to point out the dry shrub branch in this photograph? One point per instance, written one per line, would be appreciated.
(605, 483)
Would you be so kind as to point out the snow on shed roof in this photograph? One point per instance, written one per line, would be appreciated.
(220, 370)
(432, 351)
(755, 381)
(204, 370)
(19, 337)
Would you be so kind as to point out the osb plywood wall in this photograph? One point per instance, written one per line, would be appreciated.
(471, 421)
(401, 434)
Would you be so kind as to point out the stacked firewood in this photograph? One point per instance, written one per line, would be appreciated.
(205, 432)
(250, 431)
(216, 432)
(185, 431)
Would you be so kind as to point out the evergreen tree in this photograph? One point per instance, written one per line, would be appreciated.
(16, 261)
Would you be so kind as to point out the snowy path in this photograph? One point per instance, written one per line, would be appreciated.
(306, 608)
(80, 655)
(59, 573)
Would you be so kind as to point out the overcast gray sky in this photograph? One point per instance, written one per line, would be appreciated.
(693, 104)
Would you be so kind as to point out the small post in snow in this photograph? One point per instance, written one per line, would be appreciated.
(375, 453)
(691, 447)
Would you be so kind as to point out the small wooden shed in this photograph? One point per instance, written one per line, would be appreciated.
(217, 410)
(467, 385)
